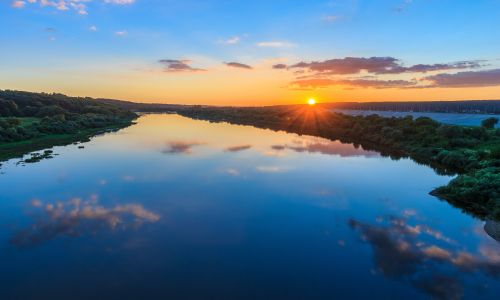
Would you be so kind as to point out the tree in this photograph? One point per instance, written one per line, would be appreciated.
(489, 123)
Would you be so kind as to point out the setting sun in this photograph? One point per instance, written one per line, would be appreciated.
(311, 101)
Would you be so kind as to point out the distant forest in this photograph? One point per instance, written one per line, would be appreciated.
(470, 106)
(40, 105)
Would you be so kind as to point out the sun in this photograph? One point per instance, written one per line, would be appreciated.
(311, 101)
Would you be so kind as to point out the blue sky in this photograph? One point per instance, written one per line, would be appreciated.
(67, 43)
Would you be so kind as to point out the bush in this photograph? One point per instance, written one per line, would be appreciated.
(489, 123)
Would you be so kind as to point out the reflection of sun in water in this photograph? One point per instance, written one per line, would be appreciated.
(311, 101)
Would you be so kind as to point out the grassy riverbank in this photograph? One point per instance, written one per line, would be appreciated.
(35, 121)
(472, 153)
(20, 148)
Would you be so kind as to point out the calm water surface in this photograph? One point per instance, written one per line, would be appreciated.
(173, 208)
(445, 118)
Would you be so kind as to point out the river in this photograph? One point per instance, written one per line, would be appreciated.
(174, 208)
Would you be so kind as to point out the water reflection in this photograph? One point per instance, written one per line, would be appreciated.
(180, 147)
(323, 146)
(251, 213)
(78, 217)
(424, 257)
(238, 148)
(492, 228)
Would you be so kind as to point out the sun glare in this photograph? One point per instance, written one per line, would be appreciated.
(311, 101)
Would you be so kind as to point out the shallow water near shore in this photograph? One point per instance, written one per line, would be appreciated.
(178, 208)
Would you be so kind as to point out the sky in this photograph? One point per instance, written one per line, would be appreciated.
(226, 52)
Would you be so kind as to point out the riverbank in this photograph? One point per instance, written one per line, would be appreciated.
(19, 148)
(36, 121)
(471, 153)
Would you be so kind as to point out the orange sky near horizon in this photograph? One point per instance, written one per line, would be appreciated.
(261, 86)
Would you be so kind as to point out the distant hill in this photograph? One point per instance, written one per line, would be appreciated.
(468, 106)
(142, 107)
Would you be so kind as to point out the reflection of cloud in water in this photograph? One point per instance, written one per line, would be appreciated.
(77, 217)
(316, 145)
(232, 172)
(492, 228)
(271, 169)
(238, 148)
(180, 147)
(400, 254)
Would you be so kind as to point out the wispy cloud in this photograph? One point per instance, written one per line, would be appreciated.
(232, 40)
(372, 72)
(275, 44)
(403, 6)
(376, 65)
(280, 67)
(79, 6)
(121, 33)
(465, 79)
(316, 83)
(93, 28)
(176, 66)
(238, 65)
(18, 4)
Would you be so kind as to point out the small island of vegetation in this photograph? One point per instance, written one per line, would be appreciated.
(473, 153)
(35, 121)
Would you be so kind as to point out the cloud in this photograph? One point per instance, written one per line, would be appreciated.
(175, 66)
(375, 65)
(316, 83)
(179, 147)
(232, 41)
(404, 5)
(77, 217)
(274, 44)
(465, 79)
(280, 66)
(18, 4)
(93, 28)
(238, 65)
(238, 148)
(323, 74)
(79, 6)
(121, 33)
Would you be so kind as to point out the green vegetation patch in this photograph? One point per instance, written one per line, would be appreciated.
(32, 121)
